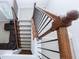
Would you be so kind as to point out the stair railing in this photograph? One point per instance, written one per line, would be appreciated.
(15, 22)
(42, 18)
(15, 27)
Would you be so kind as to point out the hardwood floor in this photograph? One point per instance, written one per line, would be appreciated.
(26, 52)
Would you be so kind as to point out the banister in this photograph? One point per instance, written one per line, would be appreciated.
(14, 14)
(34, 32)
(15, 28)
(15, 6)
(59, 24)
(58, 21)
(65, 20)
(51, 15)
(70, 16)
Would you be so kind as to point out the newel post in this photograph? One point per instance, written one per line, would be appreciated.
(63, 38)
(64, 44)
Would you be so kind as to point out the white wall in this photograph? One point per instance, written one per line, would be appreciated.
(25, 13)
(25, 8)
(23, 4)
(29, 3)
(42, 3)
(5, 8)
(61, 7)
(10, 2)
(15, 56)
(2, 16)
(4, 35)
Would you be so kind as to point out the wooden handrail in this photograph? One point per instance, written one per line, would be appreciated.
(15, 28)
(15, 7)
(34, 32)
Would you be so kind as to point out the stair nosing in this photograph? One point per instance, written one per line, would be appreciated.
(24, 21)
(24, 37)
(24, 26)
(24, 30)
(24, 33)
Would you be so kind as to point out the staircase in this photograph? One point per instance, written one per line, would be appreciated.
(24, 35)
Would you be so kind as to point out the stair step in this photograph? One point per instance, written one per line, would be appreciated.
(25, 35)
(26, 48)
(24, 29)
(24, 23)
(26, 52)
(24, 20)
(25, 32)
(25, 43)
(25, 40)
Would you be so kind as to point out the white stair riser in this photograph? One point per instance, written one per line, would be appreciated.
(24, 20)
(24, 23)
(25, 45)
(24, 28)
(25, 39)
(25, 35)
(26, 48)
(25, 31)
(25, 42)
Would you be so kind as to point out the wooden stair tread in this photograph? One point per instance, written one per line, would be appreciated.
(25, 52)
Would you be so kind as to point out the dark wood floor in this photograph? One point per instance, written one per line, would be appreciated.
(26, 52)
